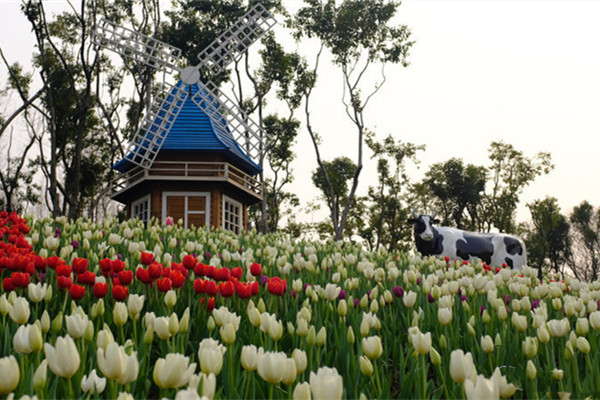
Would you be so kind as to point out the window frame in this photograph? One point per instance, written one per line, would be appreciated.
(144, 199)
(206, 212)
(239, 227)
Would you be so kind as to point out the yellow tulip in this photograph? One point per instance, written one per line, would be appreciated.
(301, 392)
(372, 347)
(300, 359)
(19, 311)
(366, 366)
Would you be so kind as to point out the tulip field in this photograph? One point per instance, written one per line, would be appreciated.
(126, 310)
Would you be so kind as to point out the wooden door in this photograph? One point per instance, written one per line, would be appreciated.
(192, 207)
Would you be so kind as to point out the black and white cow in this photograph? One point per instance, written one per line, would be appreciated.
(494, 249)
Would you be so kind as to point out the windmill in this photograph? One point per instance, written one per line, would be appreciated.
(192, 156)
(167, 103)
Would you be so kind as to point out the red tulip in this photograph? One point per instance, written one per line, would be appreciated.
(54, 261)
(117, 265)
(244, 290)
(86, 278)
(177, 279)
(211, 288)
(39, 262)
(76, 292)
(7, 285)
(255, 288)
(106, 266)
(255, 269)
(199, 286)
(20, 279)
(79, 265)
(276, 286)
(64, 282)
(63, 270)
(189, 261)
(143, 275)
(166, 272)
(227, 289)
(154, 269)
(147, 258)
(222, 274)
(125, 277)
(100, 289)
(236, 272)
(164, 284)
(210, 271)
(199, 269)
(211, 304)
(119, 292)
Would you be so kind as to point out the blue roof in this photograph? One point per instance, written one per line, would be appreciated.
(194, 131)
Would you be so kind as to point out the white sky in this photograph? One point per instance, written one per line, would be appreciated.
(525, 72)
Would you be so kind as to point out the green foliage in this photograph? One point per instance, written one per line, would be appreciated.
(458, 191)
(585, 224)
(548, 242)
(389, 201)
(511, 172)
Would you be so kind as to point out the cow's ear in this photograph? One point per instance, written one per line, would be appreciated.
(412, 221)
(435, 221)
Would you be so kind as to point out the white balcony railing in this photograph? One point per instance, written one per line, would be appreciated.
(190, 171)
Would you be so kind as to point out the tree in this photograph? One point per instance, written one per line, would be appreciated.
(585, 223)
(389, 209)
(548, 242)
(16, 176)
(359, 35)
(334, 185)
(511, 171)
(458, 191)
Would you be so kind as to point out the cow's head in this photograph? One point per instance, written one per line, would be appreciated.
(423, 225)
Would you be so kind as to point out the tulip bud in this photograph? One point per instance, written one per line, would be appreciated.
(148, 335)
(557, 374)
(531, 371)
(173, 324)
(582, 327)
(88, 335)
(444, 316)
(290, 328)
(299, 357)
(311, 338)
(435, 357)
(366, 366)
(210, 324)
(487, 345)
(350, 335)
(184, 321)
(57, 322)
(321, 337)
(530, 347)
(170, 298)
(261, 305)
(4, 305)
(583, 345)
(443, 342)
(342, 308)
(45, 321)
(119, 314)
(485, 317)
(40, 376)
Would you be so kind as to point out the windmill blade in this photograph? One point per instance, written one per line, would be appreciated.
(156, 125)
(226, 114)
(232, 43)
(136, 46)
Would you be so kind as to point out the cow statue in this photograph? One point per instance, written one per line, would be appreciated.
(495, 249)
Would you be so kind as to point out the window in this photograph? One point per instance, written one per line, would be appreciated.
(192, 207)
(232, 215)
(141, 209)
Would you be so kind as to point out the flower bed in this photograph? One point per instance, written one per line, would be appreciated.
(125, 310)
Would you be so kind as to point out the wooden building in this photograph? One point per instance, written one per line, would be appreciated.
(200, 174)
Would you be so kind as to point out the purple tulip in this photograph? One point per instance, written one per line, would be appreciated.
(481, 310)
(264, 279)
(75, 244)
(507, 299)
(57, 232)
(356, 303)
(463, 298)
(430, 298)
(342, 294)
(398, 291)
